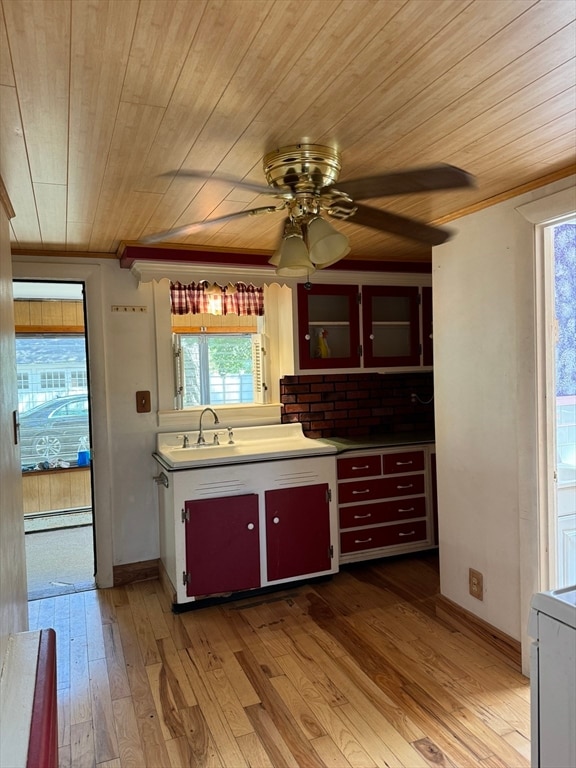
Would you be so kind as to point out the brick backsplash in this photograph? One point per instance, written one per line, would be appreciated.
(351, 404)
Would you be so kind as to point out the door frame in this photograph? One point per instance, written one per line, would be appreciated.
(535, 523)
(90, 275)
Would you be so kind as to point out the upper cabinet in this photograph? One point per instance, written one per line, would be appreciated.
(391, 326)
(328, 326)
(364, 327)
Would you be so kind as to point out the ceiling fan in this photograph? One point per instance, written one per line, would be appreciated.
(303, 177)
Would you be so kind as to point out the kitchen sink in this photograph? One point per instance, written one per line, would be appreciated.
(263, 443)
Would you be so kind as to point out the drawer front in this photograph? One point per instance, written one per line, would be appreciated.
(380, 488)
(407, 461)
(362, 466)
(382, 512)
(387, 536)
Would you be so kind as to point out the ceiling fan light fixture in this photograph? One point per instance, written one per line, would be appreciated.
(304, 177)
(326, 245)
(326, 264)
(291, 259)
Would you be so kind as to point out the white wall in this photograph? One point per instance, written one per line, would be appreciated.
(486, 438)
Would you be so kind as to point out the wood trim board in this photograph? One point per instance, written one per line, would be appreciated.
(130, 572)
(476, 628)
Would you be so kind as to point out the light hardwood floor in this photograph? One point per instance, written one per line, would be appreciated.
(354, 671)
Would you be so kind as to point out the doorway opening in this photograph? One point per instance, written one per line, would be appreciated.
(558, 403)
(52, 370)
(563, 245)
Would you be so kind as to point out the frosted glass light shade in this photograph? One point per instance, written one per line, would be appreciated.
(291, 259)
(326, 244)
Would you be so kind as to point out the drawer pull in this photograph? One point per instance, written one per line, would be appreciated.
(361, 517)
(410, 485)
(366, 490)
(411, 533)
(401, 463)
(410, 509)
(366, 466)
(363, 541)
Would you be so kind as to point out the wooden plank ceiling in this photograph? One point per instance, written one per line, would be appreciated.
(100, 97)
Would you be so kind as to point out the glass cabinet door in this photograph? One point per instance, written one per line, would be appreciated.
(390, 324)
(328, 326)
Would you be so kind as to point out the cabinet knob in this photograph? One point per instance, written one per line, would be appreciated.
(307, 337)
(250, 526)
(371, 337)
(275, 520)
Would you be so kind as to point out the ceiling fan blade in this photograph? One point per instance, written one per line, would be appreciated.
(188, 228)
(426, 179)
(399, 225)
(262, 189)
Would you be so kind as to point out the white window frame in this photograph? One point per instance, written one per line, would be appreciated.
(278, 315)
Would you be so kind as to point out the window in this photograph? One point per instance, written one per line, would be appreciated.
(273, 353)
(218, 368)
(217, 344)
(78, 379)
(564, 256)
(52, 398)
(23, 381)
(53, 380)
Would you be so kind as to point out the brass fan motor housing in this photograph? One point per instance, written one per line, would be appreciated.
(302, 167)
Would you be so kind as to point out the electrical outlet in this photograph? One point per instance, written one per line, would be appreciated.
(476, 584)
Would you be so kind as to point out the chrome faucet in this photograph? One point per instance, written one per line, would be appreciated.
(185, 441)
(201, 440)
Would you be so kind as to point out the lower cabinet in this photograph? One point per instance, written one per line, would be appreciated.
(384, 503)
(246, 526)
(297, 531)
(222, 545)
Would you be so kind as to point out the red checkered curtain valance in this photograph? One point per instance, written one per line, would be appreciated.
(248, 299)
(203, 298)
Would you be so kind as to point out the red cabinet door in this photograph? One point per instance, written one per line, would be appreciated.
(328, 326)
(390, 325)
(222, 545)
(297, 531)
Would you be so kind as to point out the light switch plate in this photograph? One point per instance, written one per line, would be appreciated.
(143, 401)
